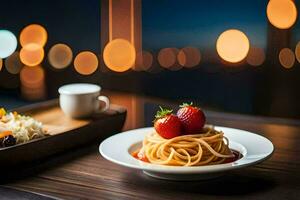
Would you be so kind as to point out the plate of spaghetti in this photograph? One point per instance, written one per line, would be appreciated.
(183, 147)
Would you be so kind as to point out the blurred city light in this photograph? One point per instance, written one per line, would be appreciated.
(282, 13)
(233, 45)
(60, 56)
(189, 57)
(8, 43)
(86, 63)
(297, 51)
(119, 55)
(256, 56)
(167, 58)
(32, 54)
(13, 63)
(33, 33)
(144, 61)
(286, 58)
(32, 77)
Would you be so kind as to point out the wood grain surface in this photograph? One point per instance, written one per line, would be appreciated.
(84, 174)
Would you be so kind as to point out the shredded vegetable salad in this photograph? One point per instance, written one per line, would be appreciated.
(16, 128)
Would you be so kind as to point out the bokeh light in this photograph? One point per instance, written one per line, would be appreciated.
(282, 13)
(233, 45)
(167, 58)
(86, 63)
(32, 77)
(297, 51)
(32, 54)
(144, 61)
(33, 33)
(13, 63)
(189, 57)
(119, 55)
(1, 63)
(256, 56)
(8, 43)
(286, 58)
(60, 56)
(32, 81)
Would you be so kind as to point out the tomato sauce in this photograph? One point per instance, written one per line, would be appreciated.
(140, 156)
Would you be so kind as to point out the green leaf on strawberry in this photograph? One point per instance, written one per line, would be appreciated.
(162, 112)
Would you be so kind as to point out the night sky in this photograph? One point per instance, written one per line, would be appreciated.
(180, 23)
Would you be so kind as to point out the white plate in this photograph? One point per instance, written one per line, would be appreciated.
(253, 147)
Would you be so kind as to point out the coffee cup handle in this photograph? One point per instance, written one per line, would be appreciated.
(106, 101)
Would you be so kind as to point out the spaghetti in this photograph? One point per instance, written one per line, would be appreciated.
(206, 148)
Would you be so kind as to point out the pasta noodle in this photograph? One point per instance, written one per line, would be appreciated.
(209, 147)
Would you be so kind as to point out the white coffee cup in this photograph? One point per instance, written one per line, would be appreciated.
(80, 100)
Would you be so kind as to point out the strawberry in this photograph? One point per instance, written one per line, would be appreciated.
(166, 124)
(191, 117)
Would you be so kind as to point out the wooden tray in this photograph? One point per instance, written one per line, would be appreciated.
(64, 132)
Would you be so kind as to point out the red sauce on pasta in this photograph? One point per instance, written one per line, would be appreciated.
(141, 157)
(237, 156)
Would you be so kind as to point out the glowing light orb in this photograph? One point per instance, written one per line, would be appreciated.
(297, 51)
(119, 55)
(189, 57)
(13, 63)
(86, 63)
(32, 54)
(32, 81)
(167, 58)
(8, 43)
(32, 77)
(144, 60)
(60, 56)
(233, 46)
(256, 56)
(282, 13)
(33, 33)
(286, 58)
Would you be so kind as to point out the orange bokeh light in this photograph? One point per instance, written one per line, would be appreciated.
(32, 81)
(1, 63)
(33, 33)
(144, 60)
(286, 58)
(167, 58)
(86, 63)
(13, 63)
(32, 54)
(297, 51)
(189, 57)
(60, 56)
(32, 77)
(233, 45)
(256, 56)
(282, 13)
(119, 55)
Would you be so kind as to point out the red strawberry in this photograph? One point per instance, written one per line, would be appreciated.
(192, 118)
(166, 124)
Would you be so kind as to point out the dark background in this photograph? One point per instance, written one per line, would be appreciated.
(265, 90)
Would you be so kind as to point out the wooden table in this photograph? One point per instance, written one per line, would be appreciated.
(84, 174)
